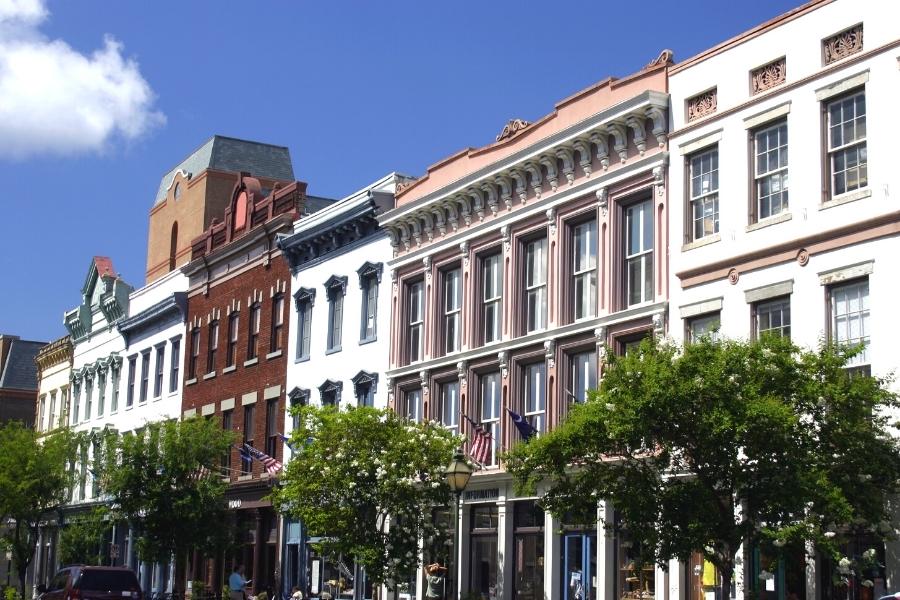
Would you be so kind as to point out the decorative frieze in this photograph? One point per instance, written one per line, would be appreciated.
(842, 44)
(512, 128)
(768, 76)
(702, 105)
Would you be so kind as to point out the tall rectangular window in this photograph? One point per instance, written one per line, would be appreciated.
(704, 193)
(770, 153)
(76, 402)
(174, 369)
(415, 321)
(773, 317)
(850, 318)
(276, 342)
(132, 376)
(639, 253)
(51, 417)
(116, 380)
(703, 325)
(584, 375)
(369, 308)
(412, 405)
(145, 375)
(584, 269)
(335, 317)
(101, 393)
(226, 426)
(365, 393)
(160, 370)
(271, 427)
(492, 297)
(304, 325)
(253, 332)
(536, 285)
(64, 409)
(234, 321)
(489, 412)
(452, 310)
(39, 426)
(195, 353)
(847, 151)
(536, 395)
(212, 346)
(88, 397)
(449, 409)
(247, 462)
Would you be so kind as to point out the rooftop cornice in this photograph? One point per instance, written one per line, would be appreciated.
(54, 353)
(542, 167)
(173, 305)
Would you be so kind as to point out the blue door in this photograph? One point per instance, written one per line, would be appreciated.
(579, 566)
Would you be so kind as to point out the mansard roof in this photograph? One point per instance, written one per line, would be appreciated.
(112, 299)
(235, 155)
(19, 371)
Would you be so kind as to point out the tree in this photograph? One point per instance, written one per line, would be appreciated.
(82, 539)
(367, 481)
(720, 443)
(35, 478)
(163, 480)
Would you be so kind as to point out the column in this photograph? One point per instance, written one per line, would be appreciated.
(257, 550)
(553, 283)
(552, 557)
(606, 563)
(506, 561)
(462, 552)
(677, 588)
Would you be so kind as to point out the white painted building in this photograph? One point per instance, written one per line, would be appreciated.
(339, 339)
(802, 243)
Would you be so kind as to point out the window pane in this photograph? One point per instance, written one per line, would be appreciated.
(584, 375)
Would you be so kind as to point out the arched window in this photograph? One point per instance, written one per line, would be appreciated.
(173, 246)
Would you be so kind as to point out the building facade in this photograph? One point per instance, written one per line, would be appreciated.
(18, 379)
(339, 340)
(783, 220)
(515, 266)
(236, 361)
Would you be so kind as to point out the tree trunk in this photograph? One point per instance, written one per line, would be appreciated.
(725, 578)
(178, 584)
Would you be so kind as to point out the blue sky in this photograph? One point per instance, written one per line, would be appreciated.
(108, 95)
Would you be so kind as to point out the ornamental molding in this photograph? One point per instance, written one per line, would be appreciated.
(299, 396)
(369, 269)
(842, 44)
(666, 57)
(363, 378)
(550, 353)
(702, 105)
(603, 200)
(336, 282)
(512, 128)
(625, 131)
(768, 76)
(304, 295)
(503, 357)
(462, 368)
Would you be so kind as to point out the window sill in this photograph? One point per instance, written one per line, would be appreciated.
(334, 350)
(229, 369)
(779, 218)
(365, 341)
(251, 362)
(245, 477)
(301, 359)
(129, 407)
(173, 393)
(157, 398)
(710, 239)
(191, 381)
(846, 198)
(209, 375)
(272, 355)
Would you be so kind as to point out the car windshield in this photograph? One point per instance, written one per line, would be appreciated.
(107, 580)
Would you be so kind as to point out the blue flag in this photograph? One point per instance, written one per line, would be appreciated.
(287, 442)
(245, 454)
(525, 428)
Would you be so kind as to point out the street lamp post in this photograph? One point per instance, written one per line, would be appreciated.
(457, 476)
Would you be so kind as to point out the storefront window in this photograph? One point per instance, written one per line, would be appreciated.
(778, 577)
(634, 581)
(440, 550)
(483, 557)
(528, 525)
(862, 574)
(330, 575)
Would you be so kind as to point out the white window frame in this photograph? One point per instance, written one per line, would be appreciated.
(782, 305)
(449, 416)
(703, 198)
(536, 285)
(452, 310)
(583, 366)
(534, 380)
(696, 326)
(415, 321)
(642, 290)
(857, 144)
(412, 403)
(840, 329)
(489, 412)
(492, 297)
(771, 175)
(584, 269)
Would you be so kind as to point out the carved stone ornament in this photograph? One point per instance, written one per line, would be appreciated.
(503, 357)
(803, 257)
(659, 180)
(550, 353)
(600, 336)
(603, 200)
(512, 127)
(665, 58)
(426, 262)
(702, 105)
(423, 380)
(768, 76)
(659, 323)
(842, 44)
(462, 368)
(733, 276)
(464, 251)
(505, 236)
(551, 220)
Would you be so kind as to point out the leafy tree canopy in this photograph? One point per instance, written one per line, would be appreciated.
(704, 447)
(368, 480)
(35, 479)
(82, 539)
(164, 480)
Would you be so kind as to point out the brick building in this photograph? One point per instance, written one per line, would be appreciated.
(236, 360)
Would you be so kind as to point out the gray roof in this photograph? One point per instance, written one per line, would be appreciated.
(20, 370)
(231, 154)
(317, 203)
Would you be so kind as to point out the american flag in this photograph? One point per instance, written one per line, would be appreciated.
(272, 465)
(481, 443)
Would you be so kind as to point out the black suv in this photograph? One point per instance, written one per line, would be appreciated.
(92, 583)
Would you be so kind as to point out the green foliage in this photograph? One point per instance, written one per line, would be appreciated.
(83, 538)
(155, 480)
(11, 593)
(368, 481)
(34, 480)
(704, 447)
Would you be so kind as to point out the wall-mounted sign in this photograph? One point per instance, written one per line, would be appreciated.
(481, 495)
(235, 503)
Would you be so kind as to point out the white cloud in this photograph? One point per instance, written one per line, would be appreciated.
(55, 100)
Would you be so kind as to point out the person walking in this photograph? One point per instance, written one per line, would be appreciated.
(434, 577)
(237, 584)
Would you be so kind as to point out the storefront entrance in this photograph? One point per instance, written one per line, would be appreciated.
(579, 566)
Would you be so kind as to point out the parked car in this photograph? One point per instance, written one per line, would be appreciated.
(92, 583)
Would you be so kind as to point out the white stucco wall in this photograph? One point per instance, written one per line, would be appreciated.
(54, 380)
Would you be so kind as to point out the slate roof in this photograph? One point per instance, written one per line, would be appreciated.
(231, 154)
(317, 203)
(20, 370)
